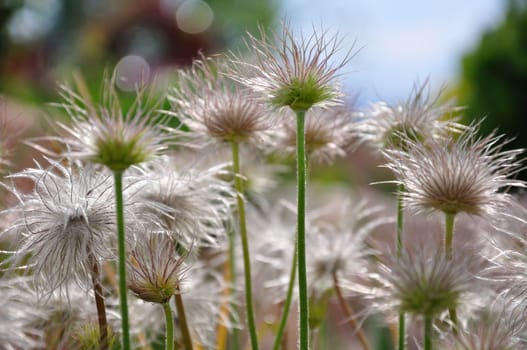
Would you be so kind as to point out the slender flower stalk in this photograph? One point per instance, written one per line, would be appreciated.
(428, 333)
(183, 324)
(346, 308)
(100, 304)
(301, 232)
(123, 296)
(280, 333)
(169, 319)
(449, 234)
(245, 245)
(400, 227)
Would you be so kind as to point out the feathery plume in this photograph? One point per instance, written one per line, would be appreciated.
(290, 72)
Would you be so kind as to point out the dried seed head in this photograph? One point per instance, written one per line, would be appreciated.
(216, 108)
(422, 282)
(467, 174)
(419, 119)
(206, 305)
(19, 316)
(290, 72)
(65, 224)
(193, 204)
(338, 243)
(155, 269)
(104, 133)
(497, 326)
(328, 134)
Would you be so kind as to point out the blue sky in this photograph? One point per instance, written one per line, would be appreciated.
(400, 41)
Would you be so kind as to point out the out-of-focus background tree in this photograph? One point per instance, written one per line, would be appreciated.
(494, 77)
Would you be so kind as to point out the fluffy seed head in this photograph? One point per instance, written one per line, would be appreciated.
(65, 223)
(338, 236)
(498, 326)
(193, 205)
(467, 174)
(291, 72)
(419, 119)
(328, 134)
(423, 282)
(19, 316)
(155, 269)
(216, 108)
(104, 133)
(202, 291)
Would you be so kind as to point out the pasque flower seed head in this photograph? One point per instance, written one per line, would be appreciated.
(65, 223)
(154, 268)
(105, 133)
(466, 174)
(216, 108)
(293, 73)
(421, 118)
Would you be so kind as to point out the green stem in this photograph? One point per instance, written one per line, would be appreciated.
(301, 231)
(234, 338)
(169, 340)
(449, 253)
(245, 245)
(402, 331)
(449, 235)
(287, 304)
(118, 179)
(99, 302)
(428, 333)
(183, 324)
(400, 225)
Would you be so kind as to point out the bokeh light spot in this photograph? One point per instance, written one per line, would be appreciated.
(194, 16)
(131, 73)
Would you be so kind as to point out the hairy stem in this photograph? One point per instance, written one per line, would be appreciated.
(287, 304)
(400, 225)
(118, 179)
(301, 230)
(183, 324)
(402, 331)
(449, 235)
(169, 339)
(229, 274)
(428, 333)
(238, 184)
(449, 253)
(99, 302)
(348, 312)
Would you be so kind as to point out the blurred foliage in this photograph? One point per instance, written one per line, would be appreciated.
(495, 76)
(45, 41)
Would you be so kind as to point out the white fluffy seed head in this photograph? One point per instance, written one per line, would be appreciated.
(65, 224)
(422, 282)
(193, 204)
(155, 268)
(290, 72)
(420, 118)
(329, 134)
(216, 108)
(467, 174)
(105, 133)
